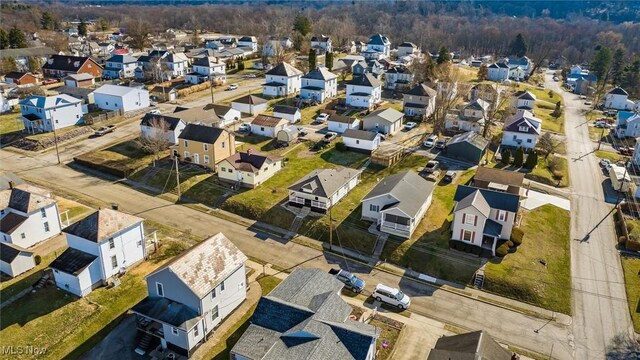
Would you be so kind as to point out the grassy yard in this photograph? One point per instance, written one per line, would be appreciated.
(543, 175)
(543, 111)
(388, 333)
(522, 276)
(10, 123)
(121, 159)
(613, 157)
(631, 267)
(74, 209)
(15, 285)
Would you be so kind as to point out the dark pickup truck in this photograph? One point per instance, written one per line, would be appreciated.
(105, 130)
(351, 281)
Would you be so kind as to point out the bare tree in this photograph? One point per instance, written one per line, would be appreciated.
(157, 69)
(155, 140)
(622, 347)
(498, 99)
(450, 91)
(139, 34)
(547, 144)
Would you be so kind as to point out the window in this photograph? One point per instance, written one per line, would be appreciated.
(223, 144)
(77, 117)
(206, 147)
(22, 236)
(357, 141)
(114, 261)
(469, 219)
(174, 331)
(529, 141)
(515, 137)
(523, 128)
(261, 128)
(374, 208)
(43, 212)
(111, 243)
(222, 286)
(139, 243)
(230, 170)
(214, 313)
(186, 154)
(206, 159)
(107, 103)
(46, 226)
(467, 235)
(223, 168)
(159, 289)
(502, 215)
(196, 331)
(186, 143)
(213, 294)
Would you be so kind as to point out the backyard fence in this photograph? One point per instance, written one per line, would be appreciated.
(91, 119)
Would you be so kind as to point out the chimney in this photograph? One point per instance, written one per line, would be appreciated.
(114, 206)
(249, 151)
(11, 185)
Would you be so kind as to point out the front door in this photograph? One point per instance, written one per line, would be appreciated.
(196, 158)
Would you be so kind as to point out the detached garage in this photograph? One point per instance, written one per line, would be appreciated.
(15, 260)
(113, 97)
(469, 147)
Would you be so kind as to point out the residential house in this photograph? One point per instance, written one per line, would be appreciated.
(27, 216)
(359, 68)
(102, 245)
(205, 145)
(226, 115)
(321, 43)
(386, 121)
(59, 66)
(498, 180)
(15, 260)
(158, 126)
(23, 56)
(618, 99)
(20, 78)
(249, 169)
(473, 345)
(250, 104)
(375, 68)
(265, 125)
(469, 147)
(398, 78)
(276, 45)
(364, 91)
(472, 117)
(321, 189)
(407, 48)
(207, 68)
(419, 101)
(361, 141)
(161, 64)
(339, 123)
(249, 42)
(114, 97)
(486, 92)
(524, 100)
(519, 67)
(83, 94)
(214, 44)
(319, 84)
(44, 113)
(79, 80)
(163, 93)
(289, 113)
(627, 124)
(189, 297)
(378, 47)
(498, 72)
(635, 159)
(481, 217)
(120, 67)
(521, 130)
(582, 87)
(304, 317)
(398, 203)
(282, 80)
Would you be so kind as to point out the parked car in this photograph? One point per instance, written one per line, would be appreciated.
(441, 144)
(588, 102)
(605, 163)
(601, 124)
(351, 281)
(105, 130)
(624, 150)
(449, 176)
(244, 128)
(302, 131)
(391, 296)
(323, 117)
(329, 137)
(431, 140)
(434, 176)
(155, 112)
(232, 87)
(432, 165)
(410, 125)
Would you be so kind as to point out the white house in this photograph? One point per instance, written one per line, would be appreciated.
(618, 99)
(481, 217)
(166, 64)
(472, 117)
(15, 260)
(226, 115)
(249, 169)
(282, 80)
(265, 125)
(189, 297)
(44, 113)
(378, 47)
(339, 123)
(322, 43)
(321, 189)
(398, 203)
(28, 216)
(518, 73)
(521, 130)
(156, 126)
(102, 245)
(249, 42)
(114, 97)
(498, 72)
(276, 45)
(398, 78)
(250, 104)
(319, 84)
(636, 153)
(407, 48)
(627, 124)
(289, 113)
(386, 121)
(524, 100)
(120, 66)
(419, 101)
(361, 141)
(207, 68)
(364, 91)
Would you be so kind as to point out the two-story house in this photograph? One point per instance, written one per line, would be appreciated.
(487, 92)
(364, 91)
(321, 189)
(321, 43)
(407, 48)
(521, 130)
(125, 98)
(378, 47)
(160, 128)
(44, 113)
(101, 246)
(190, 296)
(419, 101)
(398, 78)
(205, 145)
(471, 118)
(120, 67)
(304, 317)
(249, 169)
(498, 72)
(398, 203)
(207, 68)
(627, 124)
(481, 217)
(618, 98)
(161, 64)
(276, 45)
(59, 66)
(524, 100)
(319, 84)
(249, 42)
(282, 80)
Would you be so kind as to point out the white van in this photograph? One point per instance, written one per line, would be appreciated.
(391, 296)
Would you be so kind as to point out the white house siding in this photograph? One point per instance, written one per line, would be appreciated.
(170, 135)
(227, 300)
(373, 97)
(266, 131)
(63, 116)
(180, 340)
(134, 100)
(291, 85)
(292, 118)
(499, 74)
(33, 228)
(507, 225)
(21, 264)
(462, 125)
(228, 173)
(520, 103)
(381, 201)
(617, 101)
(384, 126)
(367, 145)
(477, 229)
(329, 89)
(249, 109)
(517, 139)
(340, 127)
(80, 285)
(193, 79)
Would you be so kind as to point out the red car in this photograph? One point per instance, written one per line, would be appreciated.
(627, 151)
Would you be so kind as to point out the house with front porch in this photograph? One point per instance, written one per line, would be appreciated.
(44, 113)
(120, 67)
(207, 68)
(419, 101)
(204, 145)
(189, 297)
(524, 100)
(319, 84)
(521, 130)
(282, 80)
(321, 189)
(483, 217)
(249, 169)
(398, 203)
(364, 91)
(385, 121)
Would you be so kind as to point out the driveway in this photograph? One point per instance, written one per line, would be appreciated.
(119, 344)
(536, 199)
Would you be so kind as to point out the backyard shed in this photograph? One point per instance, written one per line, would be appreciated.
(288, 135)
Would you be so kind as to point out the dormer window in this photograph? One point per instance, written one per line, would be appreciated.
(523, 128)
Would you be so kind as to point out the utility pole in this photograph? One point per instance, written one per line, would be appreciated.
(211, 88)
(330, 230)
(600, 140)
(55, 137)
(178, 178)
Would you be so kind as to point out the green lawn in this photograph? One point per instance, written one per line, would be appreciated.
(387, 333)
(15, 285)
(543, 175)
(614, 157)
(522, 276)
(10, 122)
(121, 159)
(543, 111)
(631, 267)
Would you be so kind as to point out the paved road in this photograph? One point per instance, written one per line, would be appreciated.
(599, 301)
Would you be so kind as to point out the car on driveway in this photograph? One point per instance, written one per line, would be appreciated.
(588, 102)
(232, 87)
(449, 176)
(329, 137)
(105, 130)
(410, 125)
(351, 281)
(432, 165)
(323, 117)
(244, 128)
(391, 296)
(155, 112)
(302, 131)
(431, 140)
(433, 177)
(441, 144)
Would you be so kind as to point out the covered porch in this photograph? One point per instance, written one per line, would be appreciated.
(491, 235)
(33, 124)
(315, 205)
(396, 224)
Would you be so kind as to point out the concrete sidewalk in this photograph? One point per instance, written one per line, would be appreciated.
(536, 199)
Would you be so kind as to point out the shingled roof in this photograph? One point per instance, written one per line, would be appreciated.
(320, 73)
(72, 261)
(9, 252)
(23, 200)
(499, 176)
(201, 133)
(250, 161)
(365, 80)
(284, 69)
(422, 90)
(67, 63)
(250, 99)
(324, 182)
(102, 224)
(268, 121)
(408, 188)
(473, 345)
(495, 199)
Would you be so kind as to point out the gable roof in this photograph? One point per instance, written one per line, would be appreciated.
(618, 91)
(284, 69)
(268, 121)
(49, 102)
(320, 73)
(473, 345)
(248, 39)
(170, 122)
(408, 44)
(25, 198)
(72, 261)
(498, 65)
(342, 119)
(16, 75)
(285, 109)
(201, 133)
(495, 199)
(378, 39)
(320, 38)
(80, 76)
(499, 176)
(365, 80)
(9, 252)
(102, 224)
(360, 134)
(250, 161)
(408, 188)
(422, 90)
(207, 61)
(389, 115)
(123, 59)
(525, 95)
(475, 200)
(114, 90)
(11, 222)
(478, 104)
(67, 63)
(250, 99)
(324, 182)
(196, 114)
(523, 117)
(470, 137)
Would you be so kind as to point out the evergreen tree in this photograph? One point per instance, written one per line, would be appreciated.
(313, 59)
(47, 21)
(631, 77)
(532, 160)
(518, 158)
(8, 65)
(443, 56)
(195, 39)
(328, 60)
(302, 24)
(4, 39)
(240, 63)
(557, 111)
(34, 64)
(601, 63)
(617, 66)
(82, 28)
(519, 46)
(17, 40)
(506, 157)
(483, 72)
(103, 25)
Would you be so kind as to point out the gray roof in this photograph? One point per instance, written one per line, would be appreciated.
(409, 189)
(80, 76)
(102, 224)
(422, 90)
(470, 346)
(366, 80)
(201, 133)
(618, 91)
(284, 69)
(378, 39)
(123, 59)
(162, 122)
(525, 94)
(470, 137)
(320, 73)
(285, 109)
(167, 311)
(114, 90)
(250, 99)
(476, 200)
(478, 104)
(388, 115)
(523, 118)
(72, 261)
(23, 200)
(495, 199)
(359, 134)
(8, 252)
(324, 182)
(40, 51)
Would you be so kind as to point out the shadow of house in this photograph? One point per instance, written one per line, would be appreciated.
(34, 306)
